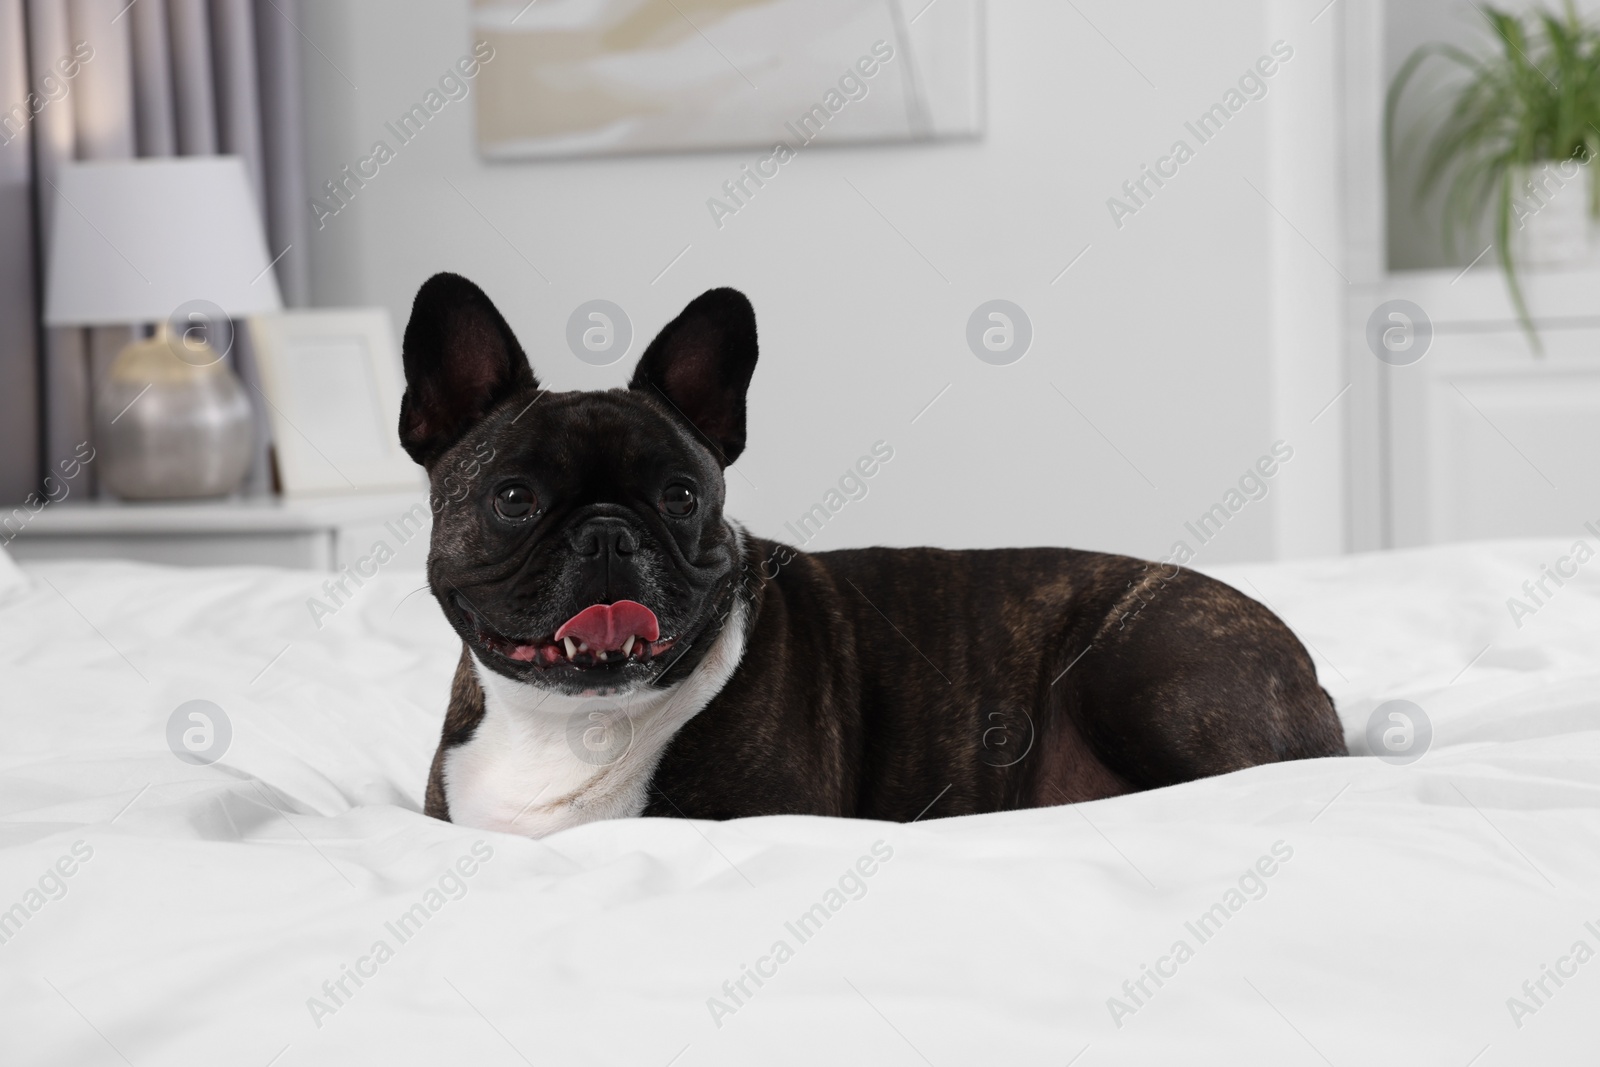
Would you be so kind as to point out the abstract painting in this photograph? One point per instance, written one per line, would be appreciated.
(586, 77)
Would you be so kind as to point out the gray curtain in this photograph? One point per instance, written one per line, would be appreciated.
(20, 424)
(166, 77)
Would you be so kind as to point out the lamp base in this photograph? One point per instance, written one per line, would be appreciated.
(174, 425)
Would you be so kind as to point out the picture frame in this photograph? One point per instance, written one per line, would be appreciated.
(332, 381)
(572, 78)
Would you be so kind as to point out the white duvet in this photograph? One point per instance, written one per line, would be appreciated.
(288, 904)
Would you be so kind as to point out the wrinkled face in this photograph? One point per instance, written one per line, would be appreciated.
(586, 500)
(578, 539)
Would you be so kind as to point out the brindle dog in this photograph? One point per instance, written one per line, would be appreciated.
(600, 592)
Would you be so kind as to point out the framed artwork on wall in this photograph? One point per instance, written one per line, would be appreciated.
(587, 77)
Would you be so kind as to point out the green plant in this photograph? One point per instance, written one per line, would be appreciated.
(1536, 99)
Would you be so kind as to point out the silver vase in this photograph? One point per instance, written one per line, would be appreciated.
(174, 421)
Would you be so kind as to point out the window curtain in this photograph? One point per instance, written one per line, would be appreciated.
(114, 79)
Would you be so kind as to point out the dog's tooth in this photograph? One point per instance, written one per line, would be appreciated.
(572, 648)
(627, 646)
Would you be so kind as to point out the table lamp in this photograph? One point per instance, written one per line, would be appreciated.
(176, 242)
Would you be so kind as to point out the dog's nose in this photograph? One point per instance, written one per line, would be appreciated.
(603, 536)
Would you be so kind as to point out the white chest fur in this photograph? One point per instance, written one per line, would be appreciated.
(541, 762)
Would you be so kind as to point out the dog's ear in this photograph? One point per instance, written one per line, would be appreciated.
(461, 360)
(700, 364)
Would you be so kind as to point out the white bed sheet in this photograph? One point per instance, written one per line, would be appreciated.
(217, 900)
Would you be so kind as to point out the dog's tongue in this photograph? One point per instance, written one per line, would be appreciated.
(607, 626)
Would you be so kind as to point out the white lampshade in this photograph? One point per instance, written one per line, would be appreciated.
(135, 240)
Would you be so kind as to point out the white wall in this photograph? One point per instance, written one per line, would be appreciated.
(1193, 337)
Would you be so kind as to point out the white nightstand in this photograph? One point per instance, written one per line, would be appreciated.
(1487, 438)
(315, 534)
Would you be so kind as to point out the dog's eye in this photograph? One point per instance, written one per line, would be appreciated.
(515, 502)
(678, 501)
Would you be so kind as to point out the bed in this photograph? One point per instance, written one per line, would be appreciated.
(1346, 911)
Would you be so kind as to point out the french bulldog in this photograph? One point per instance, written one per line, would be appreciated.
(629, 650)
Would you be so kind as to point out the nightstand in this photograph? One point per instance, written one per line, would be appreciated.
(309, 533)
(1486, 437)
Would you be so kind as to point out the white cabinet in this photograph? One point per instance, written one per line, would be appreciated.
(314, 534)
(1486, 438)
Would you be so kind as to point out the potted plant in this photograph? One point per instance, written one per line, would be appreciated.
(1516, 140)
